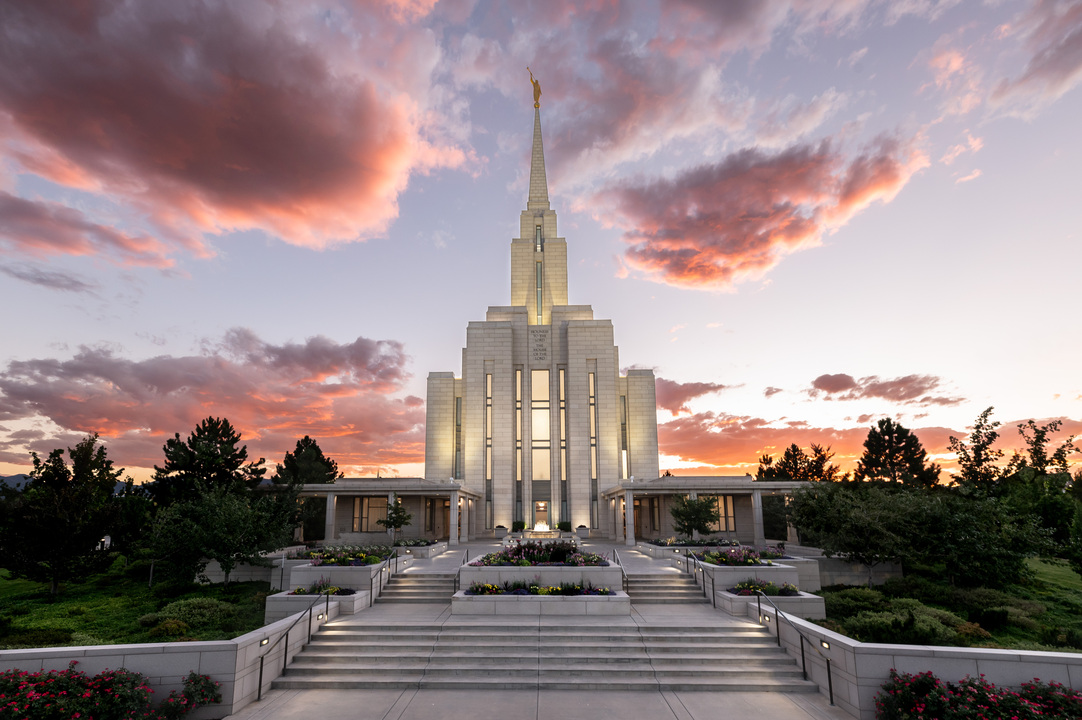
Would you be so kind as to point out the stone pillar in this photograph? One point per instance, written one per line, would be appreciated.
(453, 530)
(466, 519)
(694, 496)
(757, 517)
(328, 527)
(390, 504)
(629, 518)
(617, 522)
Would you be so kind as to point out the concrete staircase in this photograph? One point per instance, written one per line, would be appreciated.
(513, 656)
(418, 588)
(668, 588)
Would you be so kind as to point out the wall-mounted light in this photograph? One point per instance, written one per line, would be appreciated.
(766, 618)
(825, 644)
(319, 617)
(264, 641)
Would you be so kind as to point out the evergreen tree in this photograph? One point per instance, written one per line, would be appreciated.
(307, 465)
(208, 459)
(894, 454)
(52, 530)
(795, 464)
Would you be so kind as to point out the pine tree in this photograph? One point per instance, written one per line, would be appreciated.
(894, 454)
(208, 459)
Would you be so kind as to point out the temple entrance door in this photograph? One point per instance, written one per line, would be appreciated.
(639, 519)
(540, 513)
(446, 520)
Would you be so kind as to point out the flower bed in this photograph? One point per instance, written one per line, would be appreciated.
(925, 695)
(734, 556)
(524, 588)
(345, 555)
(688, 542)
(354, 576)
(112, 693)
(536, 554)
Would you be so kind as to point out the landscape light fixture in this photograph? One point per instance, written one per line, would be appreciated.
(264, 641)
(825, 644)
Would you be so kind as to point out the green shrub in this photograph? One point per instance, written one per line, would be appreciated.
(990, 618)
(35, 637)
(971, 632)
(844, 604)
(199, 611)
(76, 611)
(906, 628)
(149, 620)
(169, 628)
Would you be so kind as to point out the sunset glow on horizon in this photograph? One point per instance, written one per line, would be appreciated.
(803, 216)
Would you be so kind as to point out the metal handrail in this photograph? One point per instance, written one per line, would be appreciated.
(372, 578)
(285, 648)
(458, 573)
(713, 593)
(623, 572)
(779, 613)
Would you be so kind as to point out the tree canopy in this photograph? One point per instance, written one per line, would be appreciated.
(306, 464)
(52, 529)
(894, 454)
(209, 458)
(795, 464)
(694, 515)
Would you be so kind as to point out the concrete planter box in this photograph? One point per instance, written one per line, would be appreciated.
(358, 577)
(275, 574)
(609, 577)
(282, 605)
(463, 604)
(804, 605)
(727, 576)
(661, 552)
(582, 532)
(807, 570)
(423, 551)
(500, 533)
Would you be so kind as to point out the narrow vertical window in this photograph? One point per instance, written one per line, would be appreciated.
(625, 462)
(488, 450)
(540, 302)
(537, 246)
(564, 510)
(519, 470)
(592, 412)
(458, 473)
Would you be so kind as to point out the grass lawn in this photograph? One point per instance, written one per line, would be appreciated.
(117, 607)
(1044, 613)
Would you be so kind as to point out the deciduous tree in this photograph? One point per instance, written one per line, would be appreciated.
(694, 515)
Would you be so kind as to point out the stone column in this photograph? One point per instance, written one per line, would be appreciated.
(757, 517)
(390, 504)
(617, 523)
(629, 518)
(466, 519)
(328, 527)
(453, 530)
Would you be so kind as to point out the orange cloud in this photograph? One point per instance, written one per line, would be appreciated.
(342, 394)
(718, 224)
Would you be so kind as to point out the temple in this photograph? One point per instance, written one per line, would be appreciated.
(539, 430)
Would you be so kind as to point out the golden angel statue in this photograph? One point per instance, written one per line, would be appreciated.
(536, 89)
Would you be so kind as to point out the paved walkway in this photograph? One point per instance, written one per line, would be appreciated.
(538, 704)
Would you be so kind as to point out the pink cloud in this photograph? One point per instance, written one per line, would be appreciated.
(719, 224)
(674, 396)
(198, 120)
(1053, 40)
(47, 228)
(910, 390)
(341, 393)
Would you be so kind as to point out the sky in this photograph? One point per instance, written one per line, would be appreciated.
(804, 215)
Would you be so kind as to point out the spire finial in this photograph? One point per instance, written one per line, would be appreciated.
(536, 88)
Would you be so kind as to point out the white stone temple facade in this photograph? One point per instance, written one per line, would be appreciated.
(540, 423)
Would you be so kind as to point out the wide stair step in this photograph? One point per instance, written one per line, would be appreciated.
(418, 588)
(670, 588)
(512, 655)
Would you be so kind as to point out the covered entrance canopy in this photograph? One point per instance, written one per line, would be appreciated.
(439, 508)
(640, 508)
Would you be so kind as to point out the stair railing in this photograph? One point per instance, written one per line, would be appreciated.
(384, 567)
(623, 572)
(778, 613)
(285, 648)
(713, 595)
(458, 573)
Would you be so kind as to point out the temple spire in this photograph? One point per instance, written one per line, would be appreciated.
(539, 186)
